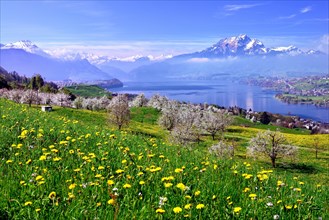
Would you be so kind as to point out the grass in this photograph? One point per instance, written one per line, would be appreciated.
(69, 163)
(88, 91)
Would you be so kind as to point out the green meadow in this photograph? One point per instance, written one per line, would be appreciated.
(72, 164)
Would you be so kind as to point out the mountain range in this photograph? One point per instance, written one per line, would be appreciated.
(235, 56)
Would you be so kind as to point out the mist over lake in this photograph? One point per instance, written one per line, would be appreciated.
(225, 93)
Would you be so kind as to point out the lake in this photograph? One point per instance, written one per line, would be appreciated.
(225, 93)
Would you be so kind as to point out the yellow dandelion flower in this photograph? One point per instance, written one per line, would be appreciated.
(110, 182)
(288, 206)
(57, 159)
(252, 196)
(28, 162)
(98, 204)
(197, 193)
(111, 202)
(247, 189)
(71, 151)
(200, 206)
(9, 161)
(39, 178)
(181, 186)
(237, 209)
(188, 206)
(167, 185)
(43, 157)
(188, 197)
(37, 210)
(52, 195)
(177, 210)
(178, 170)
(141, 182)
(214, 197)
(98, 175)
(127, 185)
(101, 168)
(160, 211)
(72, 186)
(119, 171)
(27, 203)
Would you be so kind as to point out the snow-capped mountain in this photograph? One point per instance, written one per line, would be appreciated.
(243, 45)
(25, 45)
(27, 58)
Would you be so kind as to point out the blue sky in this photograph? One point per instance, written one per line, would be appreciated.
(125, 28)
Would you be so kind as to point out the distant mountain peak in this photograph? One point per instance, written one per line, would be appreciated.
(243, 45)
(25, 45)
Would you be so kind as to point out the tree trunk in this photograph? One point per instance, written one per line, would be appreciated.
(273, 162)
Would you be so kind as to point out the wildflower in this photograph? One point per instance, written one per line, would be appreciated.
(9, 161)
(188, 197)
(253, 196)
(71, 151)
(162, 201)
(214, 197)
(200, 206)
(279, 201)
(127, 186)
(39, 178)
(77, 170)
(301, 183)
(167, 185)
(197, 193)
(288, 206)
(71, 195)
(22, 182)
(57, 159)
(52, 195)
(110, 182)
(177, 209)
(37, 210)
(28, 162)
(297, 189)
(181, 186)
(178, 170)
(27, 203)
(141, 182)
(280, 183)
(269, 204)
(160, 211)
(237, 209)
(119, 171)
(275, 217)
(111, 202)
(188, 206)
(246, 189)
(98, 204)
(43, 157)
(98, 175)
(72, 186)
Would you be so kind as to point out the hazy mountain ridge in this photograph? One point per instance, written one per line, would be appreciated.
(26, 58)
(233, 56)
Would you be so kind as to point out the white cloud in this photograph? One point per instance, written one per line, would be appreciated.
(323, 44)
(305, 10)
(288, 17)
(198, 60)
(238, 7)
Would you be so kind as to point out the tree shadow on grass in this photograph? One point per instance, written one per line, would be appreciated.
(298, 168)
